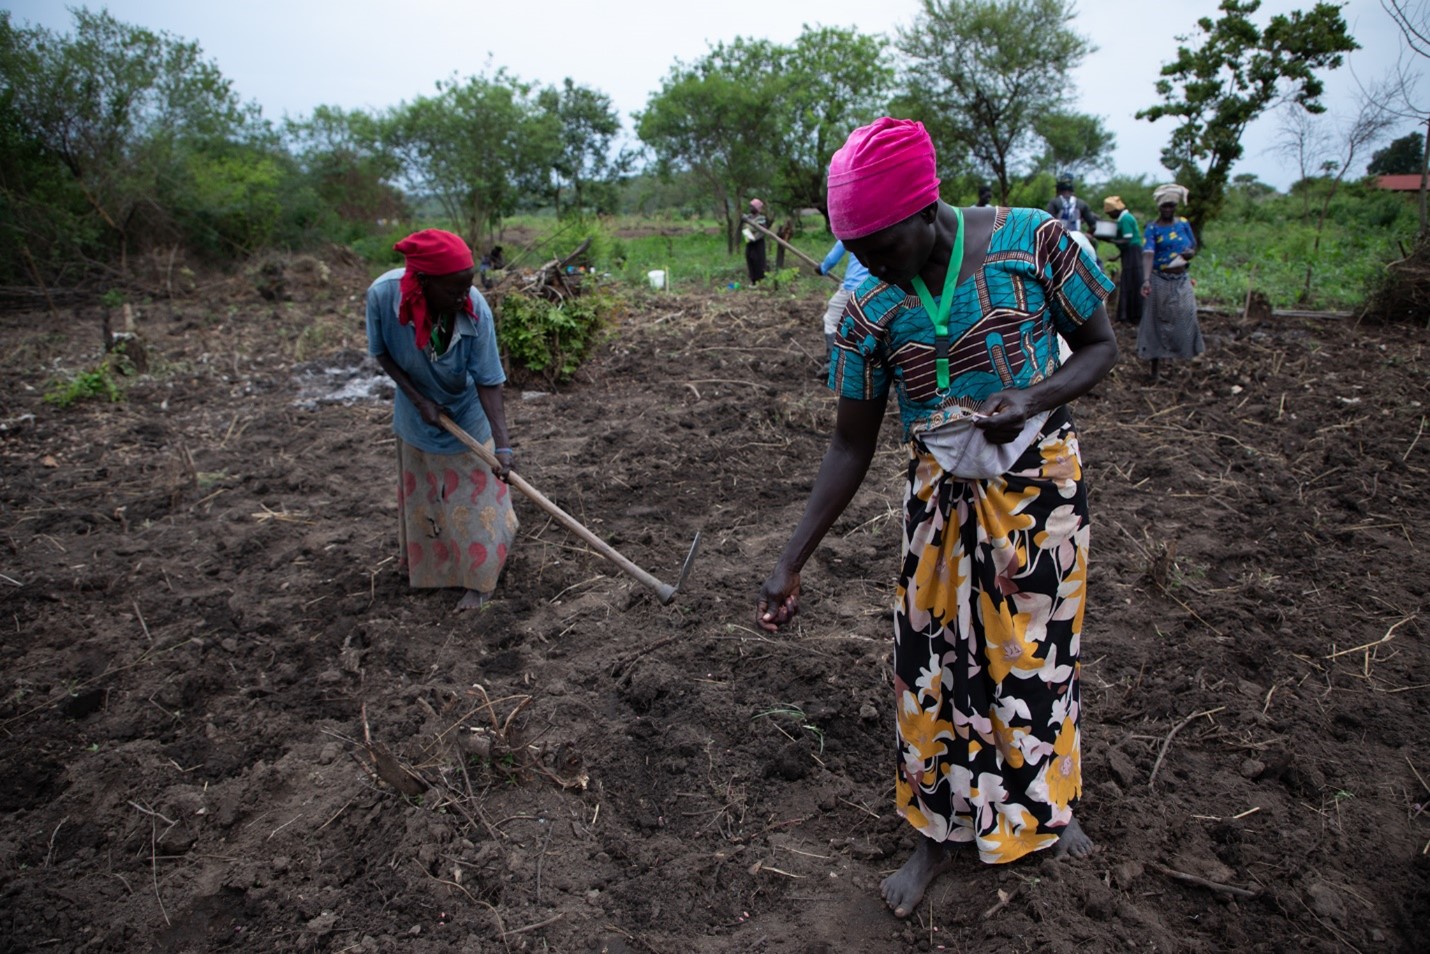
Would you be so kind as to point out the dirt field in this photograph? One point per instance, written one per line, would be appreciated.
(205, 628)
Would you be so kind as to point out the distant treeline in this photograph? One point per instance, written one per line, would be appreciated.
(120, 143)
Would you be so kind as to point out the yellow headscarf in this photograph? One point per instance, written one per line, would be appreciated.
(1113, 203)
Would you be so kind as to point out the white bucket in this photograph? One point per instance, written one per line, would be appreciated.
(657, 278)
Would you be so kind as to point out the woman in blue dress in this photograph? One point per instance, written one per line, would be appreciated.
(1169, 328)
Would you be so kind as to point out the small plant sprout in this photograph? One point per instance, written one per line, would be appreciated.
(795, 714)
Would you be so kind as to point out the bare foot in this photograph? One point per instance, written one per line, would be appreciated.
(1073, 842)
(473, 600)
(904, 889)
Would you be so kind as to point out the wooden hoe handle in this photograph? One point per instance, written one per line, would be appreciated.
(664, 591)
(807, 259)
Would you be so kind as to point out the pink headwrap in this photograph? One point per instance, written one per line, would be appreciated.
(884, 173)
(430, 252)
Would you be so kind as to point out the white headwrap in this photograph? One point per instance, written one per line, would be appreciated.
(1171, 192)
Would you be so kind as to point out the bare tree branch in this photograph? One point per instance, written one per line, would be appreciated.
(1414, 25)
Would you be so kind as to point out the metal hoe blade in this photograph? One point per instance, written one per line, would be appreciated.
(665, 591)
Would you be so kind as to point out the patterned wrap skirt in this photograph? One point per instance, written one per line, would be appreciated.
(455, 521)
(987, 632)
(1169, 326)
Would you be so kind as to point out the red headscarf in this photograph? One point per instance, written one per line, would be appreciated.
(429, 252)
(884, 173)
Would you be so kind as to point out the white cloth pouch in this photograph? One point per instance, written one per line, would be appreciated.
(963, 450)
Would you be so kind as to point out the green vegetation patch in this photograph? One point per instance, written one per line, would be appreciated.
(96, 382)
(547, 341)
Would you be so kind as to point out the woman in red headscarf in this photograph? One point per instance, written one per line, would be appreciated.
(432, 332)
(961, 317)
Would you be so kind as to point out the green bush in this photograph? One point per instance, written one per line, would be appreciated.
(780, 279)
(227, 199)
(96, 382)
(547, 341)
(1274, 249)
(376, 247)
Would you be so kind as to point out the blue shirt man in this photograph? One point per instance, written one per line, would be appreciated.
(854, 276)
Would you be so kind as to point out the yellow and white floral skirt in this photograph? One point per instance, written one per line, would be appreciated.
(987, 628)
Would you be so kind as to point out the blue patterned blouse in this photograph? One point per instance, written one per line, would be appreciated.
(1035, 283)
(1168, 240)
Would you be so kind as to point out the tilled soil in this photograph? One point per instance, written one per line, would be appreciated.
(229, 725)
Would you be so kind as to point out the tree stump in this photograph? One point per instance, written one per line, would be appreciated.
(125, 347)
(1258, 308)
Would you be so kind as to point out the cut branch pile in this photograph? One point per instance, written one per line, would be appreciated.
(556, 280)
(1404, 292)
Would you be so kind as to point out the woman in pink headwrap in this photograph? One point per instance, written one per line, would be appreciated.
(432, 332)
(755, 259)
(961, 318)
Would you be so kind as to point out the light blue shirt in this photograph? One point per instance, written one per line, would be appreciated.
(451, 379)
(854, 275)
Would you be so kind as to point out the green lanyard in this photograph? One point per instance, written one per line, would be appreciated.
(441, 336)
(939, 314)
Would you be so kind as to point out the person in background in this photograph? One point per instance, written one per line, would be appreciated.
(432, 332)
(985, 196)
(492, 261)
(755, 261)
(1069, 209)
(1169, 328)
(992, 583)
(854, 276)
(1129, 246)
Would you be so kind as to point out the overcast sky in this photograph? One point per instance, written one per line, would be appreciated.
(292, 55)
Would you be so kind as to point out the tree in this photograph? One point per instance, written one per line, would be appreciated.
(1413, 21)
(980, 74)
(758, 116)
(646, 192)
(1252, 187)
(119, 108)
(350, 167)
(478, 147)
(585, 169)
(1402, 157)
(1307, 142)
(226, 197)
(830, 82)
(712, 118)
(1074, 143)
(1333, 153)
(1238, 72)
(41, 208)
